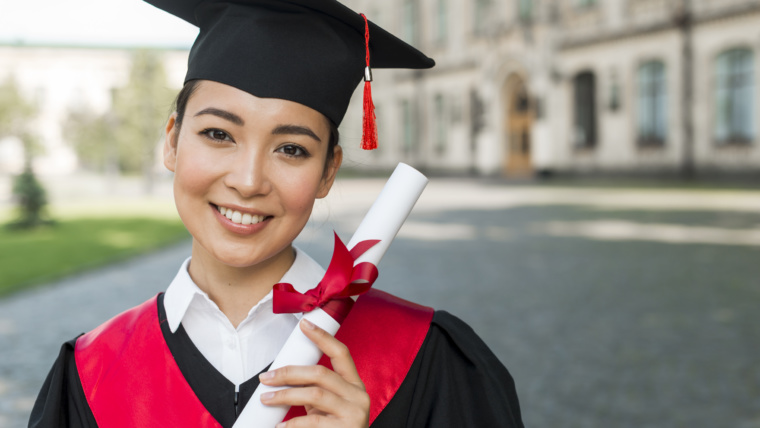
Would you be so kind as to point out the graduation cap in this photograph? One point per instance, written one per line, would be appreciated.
(313, 52)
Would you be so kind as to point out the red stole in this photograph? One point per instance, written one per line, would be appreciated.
(130, 378)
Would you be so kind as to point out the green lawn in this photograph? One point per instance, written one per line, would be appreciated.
(83, 237)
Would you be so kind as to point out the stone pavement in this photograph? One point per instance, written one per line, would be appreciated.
(611, 307)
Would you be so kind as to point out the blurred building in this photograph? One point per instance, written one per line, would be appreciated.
(520, 87)
(57, 79)
(530, 86)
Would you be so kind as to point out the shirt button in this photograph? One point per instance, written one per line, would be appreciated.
(231, 344)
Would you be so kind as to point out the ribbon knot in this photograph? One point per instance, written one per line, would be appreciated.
(341, 281)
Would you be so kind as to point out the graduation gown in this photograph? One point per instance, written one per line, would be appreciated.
(454, 381)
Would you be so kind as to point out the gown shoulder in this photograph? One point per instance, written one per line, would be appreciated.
(61, 401)
(455, 381)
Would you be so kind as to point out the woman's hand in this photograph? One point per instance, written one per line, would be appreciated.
(331, 398)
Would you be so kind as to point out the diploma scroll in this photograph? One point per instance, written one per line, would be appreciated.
(383, 221)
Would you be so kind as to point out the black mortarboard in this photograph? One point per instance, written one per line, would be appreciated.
(308, 51)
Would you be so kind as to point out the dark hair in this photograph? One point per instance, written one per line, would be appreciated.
(180, 104)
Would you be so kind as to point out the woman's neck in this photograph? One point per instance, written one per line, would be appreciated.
(237, 289)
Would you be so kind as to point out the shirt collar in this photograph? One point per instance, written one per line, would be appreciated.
(304, 274)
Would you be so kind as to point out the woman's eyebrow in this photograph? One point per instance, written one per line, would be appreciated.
(295, 130)
(232, 117)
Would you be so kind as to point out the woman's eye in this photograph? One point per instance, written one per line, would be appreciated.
(293, 150)
(216, 134)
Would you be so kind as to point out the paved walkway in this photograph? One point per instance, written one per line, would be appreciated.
(611, 307)
(33, 325)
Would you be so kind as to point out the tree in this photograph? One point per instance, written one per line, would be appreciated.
(92, 135)
(31, 199)
(126, 136)
(15, 110)
(141, 108)
(15, 114)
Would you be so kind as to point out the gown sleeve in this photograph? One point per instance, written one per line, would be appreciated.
(61, 402)
(455, 381)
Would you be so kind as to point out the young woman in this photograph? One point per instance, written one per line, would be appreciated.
(252, 143)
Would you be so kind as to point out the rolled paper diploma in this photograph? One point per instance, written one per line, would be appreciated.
(383, 221)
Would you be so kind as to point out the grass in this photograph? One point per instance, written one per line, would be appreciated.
(84, 236)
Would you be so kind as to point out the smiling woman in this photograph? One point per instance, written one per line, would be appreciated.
(261, 157)
(252, 144)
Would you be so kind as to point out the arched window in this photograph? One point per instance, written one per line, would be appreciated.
(584, 110)
(734, 97)
(652, 111)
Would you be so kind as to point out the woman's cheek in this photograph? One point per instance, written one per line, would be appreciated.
(196, 169)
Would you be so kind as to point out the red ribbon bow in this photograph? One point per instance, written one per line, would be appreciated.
(332, 294)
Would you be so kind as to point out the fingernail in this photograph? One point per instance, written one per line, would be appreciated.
(266, 375)
(267, 395)
(280, 425)
(310, 325)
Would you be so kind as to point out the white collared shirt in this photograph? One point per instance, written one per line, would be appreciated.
(242, 352)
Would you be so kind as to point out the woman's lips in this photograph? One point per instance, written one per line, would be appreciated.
(240, 222)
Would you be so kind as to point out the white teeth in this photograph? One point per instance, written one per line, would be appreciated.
(240, 218)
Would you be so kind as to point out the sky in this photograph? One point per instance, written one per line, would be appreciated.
(92, 23)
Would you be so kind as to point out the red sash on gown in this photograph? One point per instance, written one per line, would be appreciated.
(130, 378)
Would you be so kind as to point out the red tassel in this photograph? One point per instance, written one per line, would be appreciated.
(369, 126)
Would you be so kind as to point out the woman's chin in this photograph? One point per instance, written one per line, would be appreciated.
(244, 258)
(240, 261)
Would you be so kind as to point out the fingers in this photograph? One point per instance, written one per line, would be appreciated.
(335, 398)
(327, 409)
(322, 389)
(308, 376)
(319, 398)
(340, 357)
(318, 421)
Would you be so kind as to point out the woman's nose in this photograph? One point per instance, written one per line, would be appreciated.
(248, 174)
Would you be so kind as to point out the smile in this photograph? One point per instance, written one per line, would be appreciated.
(241, 218)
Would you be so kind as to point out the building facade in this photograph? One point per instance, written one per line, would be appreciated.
(524, 87)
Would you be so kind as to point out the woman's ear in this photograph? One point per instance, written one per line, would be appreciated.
(170, 142)
(332, 169)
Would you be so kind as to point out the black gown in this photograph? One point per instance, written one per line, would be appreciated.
(455, 381)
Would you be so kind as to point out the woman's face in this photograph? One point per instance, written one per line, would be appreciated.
(259, 160)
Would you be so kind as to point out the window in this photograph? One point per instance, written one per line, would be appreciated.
(482, 9)
(734, 97)
(525, 10)
(409, 21)
(584, 103)
(441, 21)
(441, 133)
(408, 129)
(652, 106)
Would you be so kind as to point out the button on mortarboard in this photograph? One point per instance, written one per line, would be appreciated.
(308, 51)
